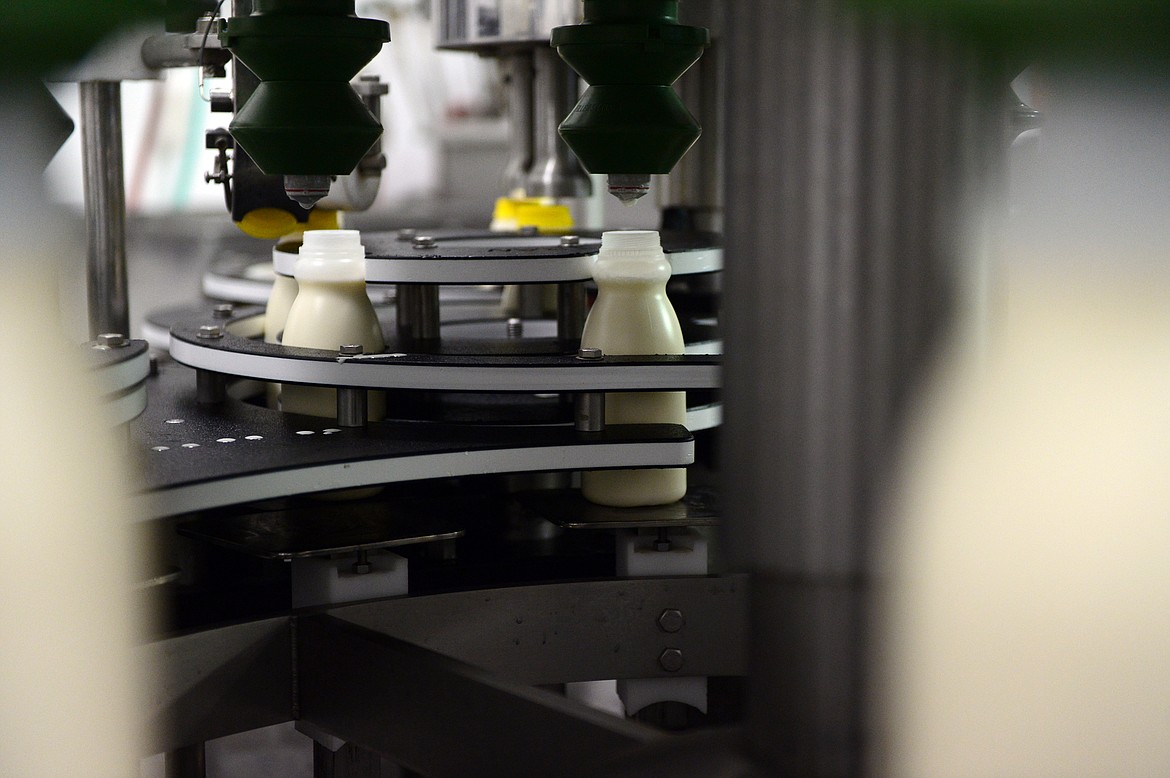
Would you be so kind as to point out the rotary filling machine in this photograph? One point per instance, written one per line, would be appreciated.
(852, 139)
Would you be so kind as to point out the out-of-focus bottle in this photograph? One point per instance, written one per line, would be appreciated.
(632, 315)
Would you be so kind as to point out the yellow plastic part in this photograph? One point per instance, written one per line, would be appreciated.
(267, 223)
(274, 223)
(322, 219)
(544, 216)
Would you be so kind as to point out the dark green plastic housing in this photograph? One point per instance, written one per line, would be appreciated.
(630, 51)
(304, 118)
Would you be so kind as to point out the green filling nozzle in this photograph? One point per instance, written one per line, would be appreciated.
(630, 123)
(304, 120)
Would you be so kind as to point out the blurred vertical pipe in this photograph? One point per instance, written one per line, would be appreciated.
(105, 206)
(843, 148)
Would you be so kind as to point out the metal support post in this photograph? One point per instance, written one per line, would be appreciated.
(105, 206)
(418, 312)
(570, 313)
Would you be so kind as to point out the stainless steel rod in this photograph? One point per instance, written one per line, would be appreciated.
(105, 207)
(571, 312)
(418, 312)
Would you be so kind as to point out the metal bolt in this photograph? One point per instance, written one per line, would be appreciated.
(210, 332)
(407, 234)
(112, 340)
(529, 230)
(351, 349)
(424, 242)
(671, 660)
(515, 328)
(223, 311)
(570, 240)
(361, 565)
(671, 620)
(590, 354)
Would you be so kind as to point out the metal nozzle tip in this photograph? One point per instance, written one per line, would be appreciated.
(306, 191)
(629, 187)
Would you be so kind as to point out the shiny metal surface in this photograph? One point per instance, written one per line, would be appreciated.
(555, 171)
(516, 73)
(418, 312)
(352, 407)
(105, 206)
(571, 312)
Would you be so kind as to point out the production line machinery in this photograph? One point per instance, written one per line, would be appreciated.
(442, 622)
(489, 417)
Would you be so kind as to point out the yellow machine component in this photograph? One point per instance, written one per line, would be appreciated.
(544, 216)
(514, 213)
(274, 223)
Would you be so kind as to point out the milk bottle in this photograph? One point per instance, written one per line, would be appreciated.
(331, 309)
(632, 315)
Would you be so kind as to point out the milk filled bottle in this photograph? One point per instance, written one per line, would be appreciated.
(331, 309)
(632, 315)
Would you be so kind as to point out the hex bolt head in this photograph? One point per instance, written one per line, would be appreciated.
(590, 353)
(210, 332)
(424, 242)
(671, 620)
(351, 349)
(569, 241)
(529, 231)
(223, 311)
(407, 234)
(112, 340)
(671, 660)
(361, 568)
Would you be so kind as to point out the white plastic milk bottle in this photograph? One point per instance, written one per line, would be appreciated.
(331, 310)
(632, 315)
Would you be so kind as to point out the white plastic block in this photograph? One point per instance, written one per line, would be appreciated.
(638, 555)
(325, 581)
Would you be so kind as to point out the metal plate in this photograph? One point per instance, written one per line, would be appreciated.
(500, 258)
(471, 371)
(324, 528)
(196, 457)
(567, 508)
